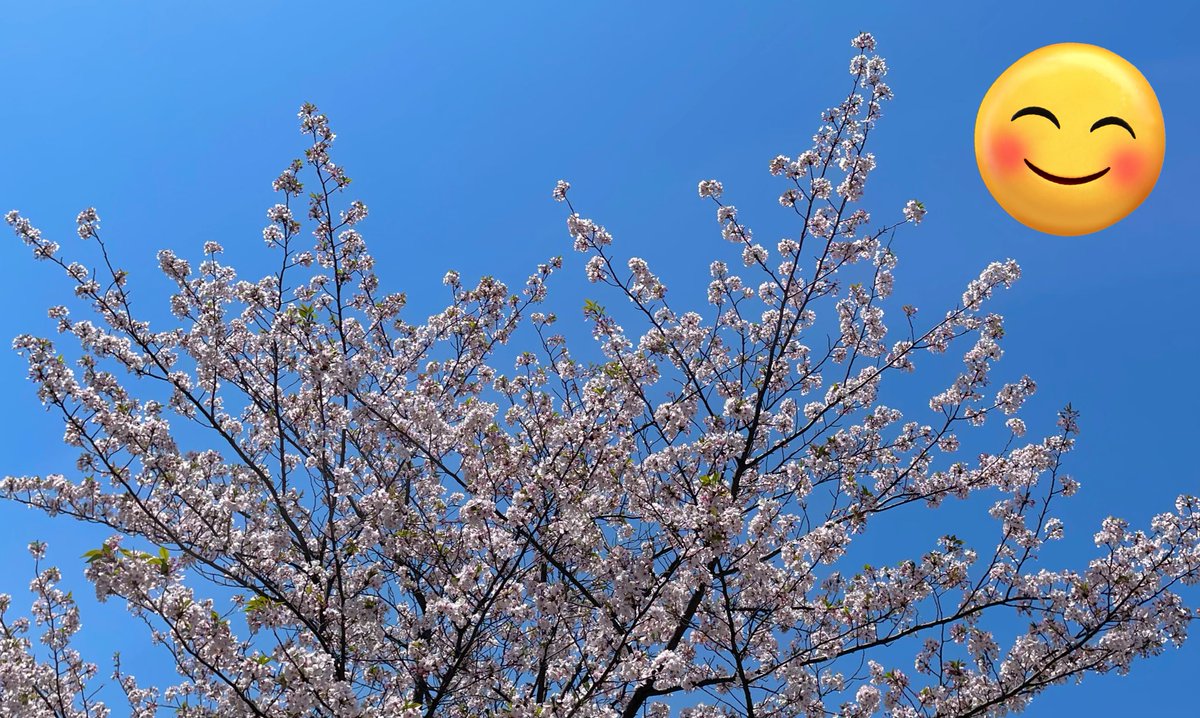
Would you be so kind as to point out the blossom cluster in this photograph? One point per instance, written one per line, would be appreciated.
(462, 517)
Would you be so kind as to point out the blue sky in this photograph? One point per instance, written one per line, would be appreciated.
(455, 122)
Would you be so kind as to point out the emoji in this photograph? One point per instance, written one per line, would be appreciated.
(1070, 139)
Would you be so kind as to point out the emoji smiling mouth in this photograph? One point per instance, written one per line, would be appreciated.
(1065, 180)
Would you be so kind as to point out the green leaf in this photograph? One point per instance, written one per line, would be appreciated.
(162, 561)
(258, 603)
(95, 554)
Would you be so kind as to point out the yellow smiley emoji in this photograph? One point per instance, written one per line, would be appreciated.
(1070, 139)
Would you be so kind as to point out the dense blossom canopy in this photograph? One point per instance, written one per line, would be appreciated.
(460, 518)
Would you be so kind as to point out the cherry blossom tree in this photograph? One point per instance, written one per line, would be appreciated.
(458, 517)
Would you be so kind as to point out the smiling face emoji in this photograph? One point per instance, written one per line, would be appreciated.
(1070, 139)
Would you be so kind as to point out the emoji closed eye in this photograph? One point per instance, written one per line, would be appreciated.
(1040, 112)
(1113, 121)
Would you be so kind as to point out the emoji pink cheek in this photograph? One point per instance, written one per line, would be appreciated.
(1007, 152)
(1128, 166)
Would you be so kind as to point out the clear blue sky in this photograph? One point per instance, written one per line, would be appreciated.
(455, 121)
